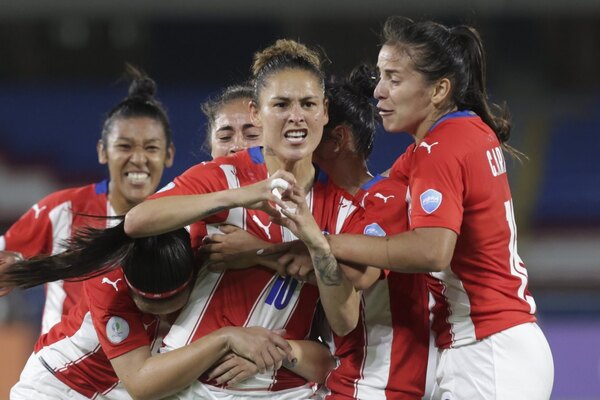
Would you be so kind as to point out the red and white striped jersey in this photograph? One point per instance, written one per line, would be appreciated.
(43, 229)
(104, 324)
(457, 180)
(254, 296)
(385, 356)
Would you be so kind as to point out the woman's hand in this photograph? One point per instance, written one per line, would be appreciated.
(265, 194)
(259, 345)
(301, 221)
(232, 369)
(7, 258)
(233, 249)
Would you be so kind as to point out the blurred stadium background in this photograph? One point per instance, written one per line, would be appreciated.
(59, 69)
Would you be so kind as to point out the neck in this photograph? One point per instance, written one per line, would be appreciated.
(349, 172)
(119, 205)
(303, 170)
(431, 119)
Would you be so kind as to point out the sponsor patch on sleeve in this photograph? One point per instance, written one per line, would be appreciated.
(431, 200)
(374, 230)
(117, 330)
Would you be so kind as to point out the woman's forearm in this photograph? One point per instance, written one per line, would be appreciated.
(313, 360)
(167, 373)
(419, 250)
(157, 216)
(340, 300)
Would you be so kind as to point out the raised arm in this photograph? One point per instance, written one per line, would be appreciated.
(339, 298)
(156, 216)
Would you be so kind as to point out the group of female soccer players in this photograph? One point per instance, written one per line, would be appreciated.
(287, 270)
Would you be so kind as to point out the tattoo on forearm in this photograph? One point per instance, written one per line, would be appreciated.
(327, 268)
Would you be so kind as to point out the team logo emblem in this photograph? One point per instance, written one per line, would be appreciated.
(113, 284)
(37, 210)
(374, 230)
(262, 226)
(384, 198)
(117, 330)
(428, 146)
(168, 186)
(430, 200)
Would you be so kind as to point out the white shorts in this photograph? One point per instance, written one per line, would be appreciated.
(36, 382)
(515, 364)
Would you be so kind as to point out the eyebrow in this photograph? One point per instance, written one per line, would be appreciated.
(281, 98)
(388, 71)
(246, 126)
(225, 128)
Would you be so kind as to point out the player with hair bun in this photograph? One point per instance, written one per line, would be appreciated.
(136, 146)
(244, 190)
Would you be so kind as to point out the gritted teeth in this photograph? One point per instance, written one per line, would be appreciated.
(295, 134)
(137, 176)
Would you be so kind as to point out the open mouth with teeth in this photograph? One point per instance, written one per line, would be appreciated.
(137, 178)
(296, 136)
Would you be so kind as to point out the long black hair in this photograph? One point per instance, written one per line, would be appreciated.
(154, 264)
(456, 53)
(350, 102)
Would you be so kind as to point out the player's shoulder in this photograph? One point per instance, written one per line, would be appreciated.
(72, 196)
(384, 189)
(110, 282)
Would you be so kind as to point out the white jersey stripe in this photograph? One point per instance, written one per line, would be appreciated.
(2, 243)
(378, 342)
(462, 327)
(71, 350)
(183, 330)
(516, 263)
(61, 218)
(237, 216)
(345, 208)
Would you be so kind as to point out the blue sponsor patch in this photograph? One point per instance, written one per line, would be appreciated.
(430, 200)
(374, 230)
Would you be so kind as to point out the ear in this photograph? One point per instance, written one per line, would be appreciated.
(254, 114)
(101, 150)
(326, 110)
(170, 155)
(337, 136)
(441, 92)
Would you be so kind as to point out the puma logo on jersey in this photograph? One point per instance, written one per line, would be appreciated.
(113, 284)
(262, 226)
(382, 197)
(37, 210)
(428, 146)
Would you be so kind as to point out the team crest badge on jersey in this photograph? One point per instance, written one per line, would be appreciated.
(117, 330)
(374, 230)
(168, 186)
(430, 200)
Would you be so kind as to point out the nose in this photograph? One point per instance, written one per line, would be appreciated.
(296, 114)
(378, 93)
(237, 144)
(138, 156)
